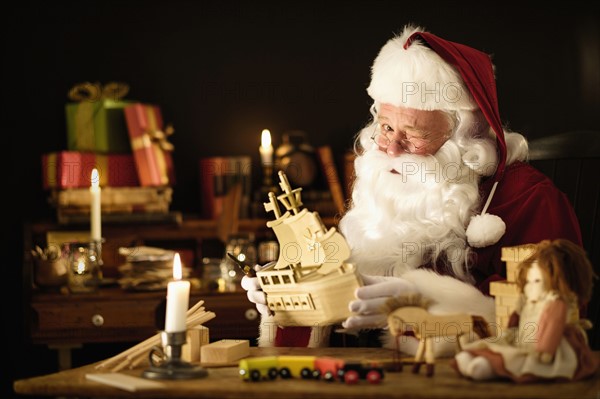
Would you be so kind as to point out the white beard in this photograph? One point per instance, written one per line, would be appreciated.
(400, 221)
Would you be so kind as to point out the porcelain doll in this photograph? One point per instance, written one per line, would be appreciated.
(545, 338)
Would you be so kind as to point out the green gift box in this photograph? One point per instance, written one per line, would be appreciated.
(97, 126)
(96, 120)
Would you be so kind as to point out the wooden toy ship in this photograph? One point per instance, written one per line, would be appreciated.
(311, 283)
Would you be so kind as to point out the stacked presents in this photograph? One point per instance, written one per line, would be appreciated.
(126, 142)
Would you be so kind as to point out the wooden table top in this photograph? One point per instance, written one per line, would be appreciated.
(224, 382)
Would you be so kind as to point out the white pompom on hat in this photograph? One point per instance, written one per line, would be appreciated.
(422, 71)
(485, 229)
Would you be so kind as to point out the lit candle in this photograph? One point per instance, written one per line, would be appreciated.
(178, 293)
(266, 149)
(95, 222)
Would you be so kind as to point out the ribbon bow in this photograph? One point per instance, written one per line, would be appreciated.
(95, 91)
(160, 137)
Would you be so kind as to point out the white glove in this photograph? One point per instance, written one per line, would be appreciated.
(255, 293)
(369, 306)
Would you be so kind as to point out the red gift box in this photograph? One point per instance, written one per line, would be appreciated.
(151, 150)
(73, 169)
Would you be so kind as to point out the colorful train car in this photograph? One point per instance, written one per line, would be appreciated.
(309, 367)
(259, 368)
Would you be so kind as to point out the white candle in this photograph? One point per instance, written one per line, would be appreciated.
(266, 149)
(95, 222)
(178, 296)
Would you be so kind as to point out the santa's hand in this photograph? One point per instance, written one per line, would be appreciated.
(369, 307)
(254, 292)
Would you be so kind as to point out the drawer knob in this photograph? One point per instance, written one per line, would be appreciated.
(251, 314)
(97, 320)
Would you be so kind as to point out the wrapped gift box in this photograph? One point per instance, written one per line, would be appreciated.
(151, 150)
(73, 169)
(97, 126)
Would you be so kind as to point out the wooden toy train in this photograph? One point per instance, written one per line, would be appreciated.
(311, 283)
(309, 367)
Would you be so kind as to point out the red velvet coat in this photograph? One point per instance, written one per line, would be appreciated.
(533, 210)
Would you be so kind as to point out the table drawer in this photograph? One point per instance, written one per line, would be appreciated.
(90, 315)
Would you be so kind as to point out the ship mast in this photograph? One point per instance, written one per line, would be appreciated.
(272, 205)
(291, 199)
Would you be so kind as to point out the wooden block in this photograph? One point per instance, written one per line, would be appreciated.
(517, 253)
(501, 310)
(511, 271)
(225, 351)
(502, 316)
(506, 296)
(512, 256)
(503, 288)
(196, 338)
(501, 323)
(507, 301)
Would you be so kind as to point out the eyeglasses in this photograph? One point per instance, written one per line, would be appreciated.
(383, 141)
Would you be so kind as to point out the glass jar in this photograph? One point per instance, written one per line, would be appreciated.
(211, 279)
(83, 267)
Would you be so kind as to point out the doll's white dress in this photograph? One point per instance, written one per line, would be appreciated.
(548, 325)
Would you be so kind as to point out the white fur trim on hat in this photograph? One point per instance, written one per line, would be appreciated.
(417, 77)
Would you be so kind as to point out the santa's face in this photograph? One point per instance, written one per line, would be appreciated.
(535, 286)
(406, 130)
(406, 218)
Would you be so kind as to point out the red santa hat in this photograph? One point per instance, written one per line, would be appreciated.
(422, 71)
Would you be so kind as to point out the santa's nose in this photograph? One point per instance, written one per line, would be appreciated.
(394, 149)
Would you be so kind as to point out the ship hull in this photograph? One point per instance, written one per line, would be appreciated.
(310, 300)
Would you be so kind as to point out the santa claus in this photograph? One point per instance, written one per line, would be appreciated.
(440, 188)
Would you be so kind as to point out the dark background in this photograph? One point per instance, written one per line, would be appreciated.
(223, 71)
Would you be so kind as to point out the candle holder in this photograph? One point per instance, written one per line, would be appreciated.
(267, 174)
(172, 367)
(267, 186)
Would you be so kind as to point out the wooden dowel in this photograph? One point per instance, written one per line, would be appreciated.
(194, 308)
(120, 366)
(196, 315)
(125, 354)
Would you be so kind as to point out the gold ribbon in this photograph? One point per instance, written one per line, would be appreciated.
(155, 139)
(159, 140)
(87, 94)
(160, 137)
(92, 92)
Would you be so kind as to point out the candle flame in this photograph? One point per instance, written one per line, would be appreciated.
(177, 270)
(80, 266)
(265, 139)
(95, 179)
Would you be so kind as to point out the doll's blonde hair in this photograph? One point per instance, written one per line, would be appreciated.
(565, 267)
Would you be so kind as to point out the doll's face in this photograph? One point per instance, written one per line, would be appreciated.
(535, 285)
